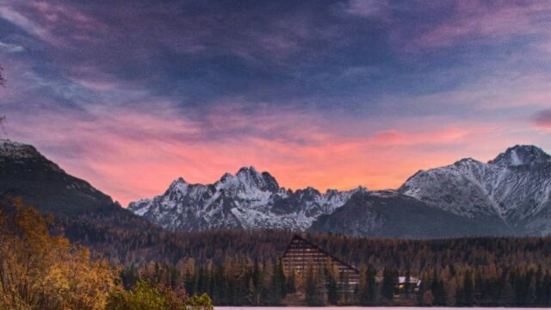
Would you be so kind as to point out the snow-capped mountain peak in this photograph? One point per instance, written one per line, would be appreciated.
(511, 193)
(467, 162)
(514, 188)
(248, 199)
(248, 182)
(179, 185)
(264, 181)
(520, 155)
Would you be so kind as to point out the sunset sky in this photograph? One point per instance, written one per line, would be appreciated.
(130, 95)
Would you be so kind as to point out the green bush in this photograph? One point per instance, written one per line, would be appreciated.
(199, 302)
(145, 296)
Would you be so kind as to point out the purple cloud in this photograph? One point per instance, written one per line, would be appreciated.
(484, 20)
(367, 8)
(217, 80)
(542, 119)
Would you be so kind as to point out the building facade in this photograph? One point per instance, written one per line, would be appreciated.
(302, 257)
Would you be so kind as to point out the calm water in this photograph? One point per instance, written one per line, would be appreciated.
(352, 308)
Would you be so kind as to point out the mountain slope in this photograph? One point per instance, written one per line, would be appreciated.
(81, 212)
(27, 173)
(515, 187)
(247, 200)
(390, 214)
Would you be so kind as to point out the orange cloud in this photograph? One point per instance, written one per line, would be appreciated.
(131, 154)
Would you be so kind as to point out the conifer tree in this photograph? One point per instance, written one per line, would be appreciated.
(389, 283)
(332, 289)
(468, 289)
(291, 283)
(279, 289)
(438, 290)
(363, 293)
(312, 292)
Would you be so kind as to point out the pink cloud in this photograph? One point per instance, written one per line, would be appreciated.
(542, 119)
(483, 20)
(56, 24)
(133, 153)
(134, 150)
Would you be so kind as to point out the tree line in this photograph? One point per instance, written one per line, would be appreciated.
(242, 281)
(100, 261)
(239, 267)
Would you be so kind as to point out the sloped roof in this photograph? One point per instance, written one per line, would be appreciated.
(297, 237)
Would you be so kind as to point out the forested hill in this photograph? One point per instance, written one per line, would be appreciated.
(240, 267)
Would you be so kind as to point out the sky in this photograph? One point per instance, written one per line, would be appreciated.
(329, 94)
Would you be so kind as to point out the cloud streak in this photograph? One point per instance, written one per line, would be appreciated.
(485, 20)
(328, 94)
(542, 119)
(132, 154)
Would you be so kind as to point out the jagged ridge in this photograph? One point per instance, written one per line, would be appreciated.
(248, 199)
(514, 187)
(507, 195)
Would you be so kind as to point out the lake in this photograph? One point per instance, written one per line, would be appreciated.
(353, 308)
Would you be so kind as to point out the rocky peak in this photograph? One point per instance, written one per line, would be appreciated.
(249, 178)
(248, 199)
(467, 162)
(308, 193)
(520, 155)
(247, 171)
(12, 152)
(178, 185)
(12, 149)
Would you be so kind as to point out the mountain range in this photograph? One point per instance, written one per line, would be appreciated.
(249, 199)
(509, 195)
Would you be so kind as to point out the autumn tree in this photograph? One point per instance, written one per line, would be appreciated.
(43, 271)
(143, 296)
(199, 302)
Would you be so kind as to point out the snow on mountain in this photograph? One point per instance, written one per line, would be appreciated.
(390, 214)
(248, 200)
(19, 153)
(510, 194)
(515, 187)
(521, 155)
(13, 150)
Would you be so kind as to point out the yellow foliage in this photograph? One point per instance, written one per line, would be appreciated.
(41, 271)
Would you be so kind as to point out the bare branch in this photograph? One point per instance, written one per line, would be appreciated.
(2, 79)
(3, 125)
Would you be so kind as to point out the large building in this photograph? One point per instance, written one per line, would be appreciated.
(302, 256)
